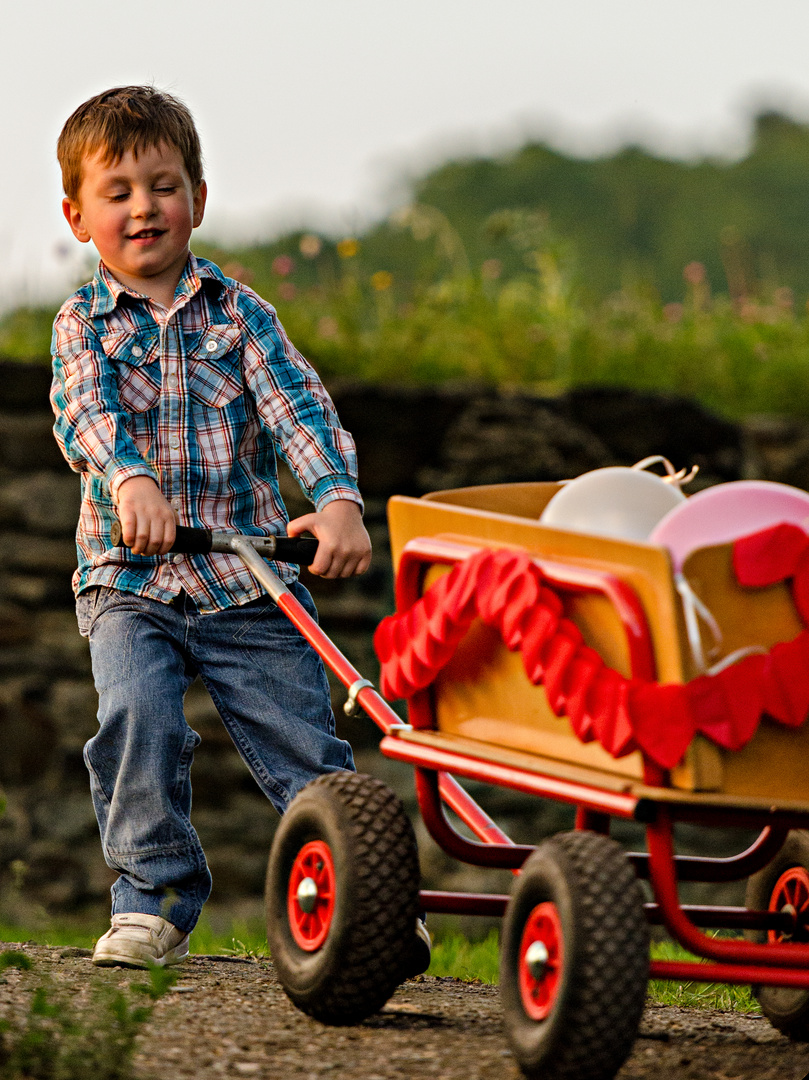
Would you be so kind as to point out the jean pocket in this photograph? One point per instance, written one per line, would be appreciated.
(86, 604)
(93, 602)
(253, 615)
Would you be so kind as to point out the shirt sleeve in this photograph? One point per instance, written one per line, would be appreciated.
(90, 424)
(293, 404)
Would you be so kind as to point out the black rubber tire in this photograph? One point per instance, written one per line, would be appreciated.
(601, 990)
(786, 1008)
(372, 931)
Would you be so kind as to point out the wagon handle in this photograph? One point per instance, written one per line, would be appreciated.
(190, 541)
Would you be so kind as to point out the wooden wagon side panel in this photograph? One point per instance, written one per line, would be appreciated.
(775, 763)
(483, 693)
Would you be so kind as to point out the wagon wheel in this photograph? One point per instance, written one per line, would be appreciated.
(574, 959)
(784, 883)
(342, 897)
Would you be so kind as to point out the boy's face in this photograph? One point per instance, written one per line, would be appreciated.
(139, 213)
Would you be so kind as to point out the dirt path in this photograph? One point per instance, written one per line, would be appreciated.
(230, 1018)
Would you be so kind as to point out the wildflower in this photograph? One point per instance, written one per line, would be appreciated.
(784, 298)
(673, 312)
(286, 290)
(381, 280)
(694, 273)
(238, 272)
(347, 248)
(310, 246)
(283, 265)
(328, 327)
(491, 270)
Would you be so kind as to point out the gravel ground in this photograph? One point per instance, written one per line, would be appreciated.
(226, 1017)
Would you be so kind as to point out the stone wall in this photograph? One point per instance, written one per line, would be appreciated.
(410, 441)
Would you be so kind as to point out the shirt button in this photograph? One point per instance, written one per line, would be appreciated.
(176, 502)
(137, 350)
(176, 559)
(174, 443)
(173, 381)
(210, 345)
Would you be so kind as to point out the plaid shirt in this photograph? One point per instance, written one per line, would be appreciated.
(200, 401)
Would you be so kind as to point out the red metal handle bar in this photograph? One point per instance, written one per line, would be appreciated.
(719, 816)
(488, 772)
(470, 813)
(734, 868)
(758, 974)
(664, 883)
(501, 856)
(726, 918)
(462, 804)
(577, 580)
(371, 701)
(359, 689)
(491, 904)
(494, 904)
(624, 599)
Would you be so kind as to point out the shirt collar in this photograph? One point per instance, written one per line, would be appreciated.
(106, 290)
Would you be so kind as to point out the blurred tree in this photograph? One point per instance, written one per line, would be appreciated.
(635, 216)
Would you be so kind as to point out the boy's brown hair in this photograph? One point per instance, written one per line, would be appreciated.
(124, 119)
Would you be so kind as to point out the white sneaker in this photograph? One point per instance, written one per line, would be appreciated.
(141, 941)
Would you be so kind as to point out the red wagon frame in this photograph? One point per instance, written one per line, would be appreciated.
(657, 807)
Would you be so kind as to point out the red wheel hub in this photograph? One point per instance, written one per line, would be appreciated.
(540, 961)
(310, 895)
(791, 893)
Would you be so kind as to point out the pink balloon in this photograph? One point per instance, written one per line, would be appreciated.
(723, 513)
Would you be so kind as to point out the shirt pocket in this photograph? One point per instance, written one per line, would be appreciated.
(215, 365)
(137, 361)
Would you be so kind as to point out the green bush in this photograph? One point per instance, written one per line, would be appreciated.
(534, 326)
(59, 1039)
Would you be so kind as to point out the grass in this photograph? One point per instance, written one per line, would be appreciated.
(54, 934)
(241, 937)
(454, 955)
(697, 995)
(473, 961)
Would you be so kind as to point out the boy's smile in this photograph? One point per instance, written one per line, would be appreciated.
(139, 213)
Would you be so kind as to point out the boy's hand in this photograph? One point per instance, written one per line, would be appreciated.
(345, 547)
(147, 520)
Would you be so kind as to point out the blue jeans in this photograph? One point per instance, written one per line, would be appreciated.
(270, 688)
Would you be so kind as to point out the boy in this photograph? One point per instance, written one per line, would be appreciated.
(173, 388)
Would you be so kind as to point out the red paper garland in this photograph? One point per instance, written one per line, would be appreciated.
(506, 590)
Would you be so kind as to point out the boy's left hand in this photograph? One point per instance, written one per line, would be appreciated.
(344, 547)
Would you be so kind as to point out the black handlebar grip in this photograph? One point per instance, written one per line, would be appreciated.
(296, 549)
(190, 541)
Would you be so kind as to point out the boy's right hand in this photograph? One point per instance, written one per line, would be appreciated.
(147, 521)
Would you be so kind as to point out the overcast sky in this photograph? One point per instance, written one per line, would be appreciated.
(311, 110)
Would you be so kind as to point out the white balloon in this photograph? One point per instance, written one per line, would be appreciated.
(617, 501)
